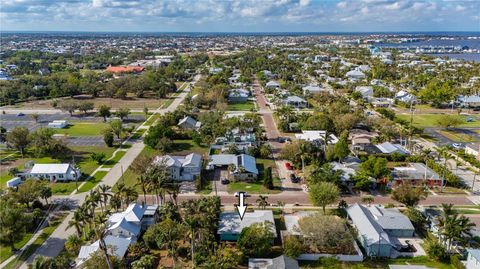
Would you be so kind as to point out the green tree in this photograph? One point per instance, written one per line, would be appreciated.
(85, 107)
(18, 138)
(28, 192)
(169, 233)
(262, 201)
(45, 192)
(12, 223)
(108, 138)
(145, 262)
(104, 111)
(447, 121)
(408, 194)
(117, 127)
(255, 240)
(98, 157)
(341, 149)
(323, 194)
(35, 117)
(122, 113)
(68, 105)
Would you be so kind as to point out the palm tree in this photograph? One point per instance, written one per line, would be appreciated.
(173, 191)
(192, 224)
(104, 191)
(262, 201)
(454, 227)
(41, 262)
(100, 233)
(115, 202)
(77, 221)
(444, 153)
(143, 183)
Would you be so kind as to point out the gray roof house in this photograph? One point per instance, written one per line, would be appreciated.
(469, 101)
(238, 95)
(312, 89)
(378, 228)
(416, 173)
(355, 75)
(272, 84)
(230, 225)
(389, 148)
(189, 123)
(295, 101)
(245, 165)
(280, 262)
(365, 91)
(182, 167)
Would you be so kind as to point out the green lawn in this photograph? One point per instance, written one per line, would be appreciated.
(248, 106)
(93, 181)
(168, 102)
(457, 136)
(430, 120)
(378, 263)
(184, 147)
(82, 157)
(47, 231)
(5, 251)
(63, 188)
(114, 160)
(82, 128)
(152, 119)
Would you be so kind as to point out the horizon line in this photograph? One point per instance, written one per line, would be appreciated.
(238, 32)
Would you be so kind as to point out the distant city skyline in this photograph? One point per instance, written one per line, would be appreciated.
(240, 16)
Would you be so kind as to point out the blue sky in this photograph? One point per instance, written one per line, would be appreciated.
(240, 16)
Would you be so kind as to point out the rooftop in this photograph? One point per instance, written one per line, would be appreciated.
(230, 221)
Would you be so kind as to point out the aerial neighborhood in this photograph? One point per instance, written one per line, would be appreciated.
(238, 151)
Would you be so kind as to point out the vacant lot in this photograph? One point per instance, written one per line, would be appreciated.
(82, 128)
(431, 120)
(248, 106)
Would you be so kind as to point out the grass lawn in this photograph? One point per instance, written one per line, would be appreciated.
(430, 120)
(168, 102)
(63, 188)
(47, 231)
(82, 128)
(379, 263)
(254, 187)
(82, 157)
(5, 251)
(152, 119)
(138, 134)
(114, 160)
(93, 181)
(184, 147)
(457, 136)
(248, 106)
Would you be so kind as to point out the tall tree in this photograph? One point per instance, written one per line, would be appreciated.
(408, 194)
(12, 223)
(104, 111)
(18, 138)
(323, 194)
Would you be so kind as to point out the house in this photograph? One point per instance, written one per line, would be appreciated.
(44, 71)
(473, 259)
(230, 225)
(378, 228)
(272, 84)
(295, 101)
(280, 262)
(55, 172)
(243, 166)
(14, 182)
(189, 123)
(355, 75)
(312, 89)
(469, 101)
(317, 136)
(389, 148)
(269, 74)
(349, 170)
(365, 91)
(182, 167)
(360, 139)
(416, 173)
(238, 95)
(398, 266)
(381, 102)
(58, 124)
(123, 229)
(473, 149)
(406, 97)
(215, 70)
(293, 57)
(234, 79)
(125, 69)
(321, 58)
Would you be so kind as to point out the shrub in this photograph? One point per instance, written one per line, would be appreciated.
(292, 246)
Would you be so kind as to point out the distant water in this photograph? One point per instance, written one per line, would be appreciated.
(471, 57)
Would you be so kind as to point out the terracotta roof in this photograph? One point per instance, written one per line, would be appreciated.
(125, 69)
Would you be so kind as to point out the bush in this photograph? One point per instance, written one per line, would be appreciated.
(108, 138)
(37, 204)
(267, 178)
(292, 246)
(434, 249)
(455, 262)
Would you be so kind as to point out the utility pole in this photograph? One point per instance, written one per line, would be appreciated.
(411, 126)
(473, 183)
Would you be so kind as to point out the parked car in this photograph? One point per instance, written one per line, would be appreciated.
(470, 119)
(457, 146)
(20, 114)
(245, 194)
(294, 178)
(289, 166)
(225, 181)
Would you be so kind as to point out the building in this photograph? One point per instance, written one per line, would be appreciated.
(406, 97)
(58, 124)
(189, 123)
(280, 262)
(349, 170)
(378, 228)
(312, 89)
(473, 149)
(55, 172)
(389, 148)
(365, 91)
(272, 84)
(469, 101)
(473, 259)
(238, 95)
(230, 225)
(182, 167)
(125, 69)
(123, 230)
(295, 101)
(243, 166)
(355, 75)
(317, 137)
(361, 139)
(416, 174)
(14, 182)
(215, 70)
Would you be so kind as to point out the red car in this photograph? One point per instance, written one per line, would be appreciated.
(288, 166)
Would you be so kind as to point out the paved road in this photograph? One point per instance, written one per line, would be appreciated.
(55, 243)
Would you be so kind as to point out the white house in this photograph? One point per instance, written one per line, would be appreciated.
(14, 182)
(365, 91)
(182, 167)
(189, 123)
(55, 172)
(272, 84)
(473, 259)
(355, 75)
(230, 225)
(469, 101)
(473, 149)
(317, 136)
(58, 124)
(295, 101)
(405, 96)
(239, 95)
(312, 89)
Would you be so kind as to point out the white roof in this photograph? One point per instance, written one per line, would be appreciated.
(51, 168)
(131, 227)
(192, 159)
(355, 74)
(311, 135)
(133, 213)
(248, 162)
(230, 221)
(291, 221)
(118, 246)
(389, 148)
(366, 225)
(14, 182)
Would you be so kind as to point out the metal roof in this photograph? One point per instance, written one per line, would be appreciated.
(230, 222)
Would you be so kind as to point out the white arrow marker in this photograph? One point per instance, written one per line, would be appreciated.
(241, 207)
